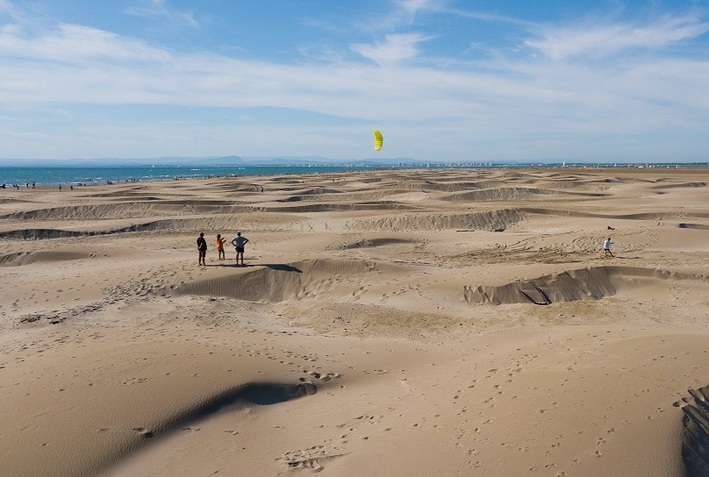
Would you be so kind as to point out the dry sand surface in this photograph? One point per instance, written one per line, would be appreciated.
(393, 323)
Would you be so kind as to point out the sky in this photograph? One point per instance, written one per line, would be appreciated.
(443, 80)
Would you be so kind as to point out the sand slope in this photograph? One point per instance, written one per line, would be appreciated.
(404, 323)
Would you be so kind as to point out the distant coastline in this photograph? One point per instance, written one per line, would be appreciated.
(91, 174)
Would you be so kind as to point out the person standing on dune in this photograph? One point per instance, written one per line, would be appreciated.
(220, 246)
(239, 242)
(202, 249)
(607, 247)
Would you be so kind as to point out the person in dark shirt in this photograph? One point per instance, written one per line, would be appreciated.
(202, 249)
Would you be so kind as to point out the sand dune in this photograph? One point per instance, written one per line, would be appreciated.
(26, 258)
(376, 242)
(278, 282)
(359, 339)
(502, 193)
(572, 285)
(490, 220)
(681, 185)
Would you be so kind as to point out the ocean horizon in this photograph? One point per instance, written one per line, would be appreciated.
(43, 176)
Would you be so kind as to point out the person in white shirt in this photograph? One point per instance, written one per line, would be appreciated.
(239, 242)
(607, 247)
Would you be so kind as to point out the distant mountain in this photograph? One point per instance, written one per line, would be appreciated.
(324, 161)
(203, 161)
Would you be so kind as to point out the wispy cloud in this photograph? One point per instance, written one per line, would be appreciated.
(74, 44)
(599, 41)
(400, 16)
(412, 7)
(160, 8)
(394, 49)
(486, 17)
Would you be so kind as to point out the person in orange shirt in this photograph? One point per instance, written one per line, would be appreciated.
(220, 247)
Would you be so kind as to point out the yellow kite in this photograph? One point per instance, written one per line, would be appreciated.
(378, 140)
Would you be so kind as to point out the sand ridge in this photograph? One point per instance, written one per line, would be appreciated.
(385, 323)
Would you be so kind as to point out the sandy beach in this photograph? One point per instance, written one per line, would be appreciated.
(398, 323)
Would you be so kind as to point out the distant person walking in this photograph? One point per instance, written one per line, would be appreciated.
(239, 242)
(202, 249)
(220, 246)
(607, 247)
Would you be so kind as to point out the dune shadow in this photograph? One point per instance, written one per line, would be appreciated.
(261, 394)
(695, 422)
(234, 398)
(693, 226)
(282, 267)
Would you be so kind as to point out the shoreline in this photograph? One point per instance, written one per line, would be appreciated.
(254, 171)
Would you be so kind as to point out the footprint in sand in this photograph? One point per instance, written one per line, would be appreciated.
(311, 458)
(320, 376)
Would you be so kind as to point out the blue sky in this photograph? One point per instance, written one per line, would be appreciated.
(610, 81)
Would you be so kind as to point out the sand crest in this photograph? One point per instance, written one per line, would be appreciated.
(404, 323)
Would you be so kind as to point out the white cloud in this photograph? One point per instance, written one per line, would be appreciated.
(394, 49)
(595, 41)
(159, 8)
(403, 15)
(414, 6)
(75, 44)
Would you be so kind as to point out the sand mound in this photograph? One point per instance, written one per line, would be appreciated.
(129, 210)
(558, 212)
(116, 193)
(364, 196)
(319, 191)
(376, 242)
(215, 222)
(90, 212)
(652, 216)
(506, 193)
(681, 185)
(574, 183)
(27, 258)
(363, 206)
(490, 220)
(40, 234)
(279, 282)
(514, 193)
(438, 186)
(574, 285)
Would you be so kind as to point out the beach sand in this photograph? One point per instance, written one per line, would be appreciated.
(399, 323)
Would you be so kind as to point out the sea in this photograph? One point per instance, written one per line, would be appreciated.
(18, 176)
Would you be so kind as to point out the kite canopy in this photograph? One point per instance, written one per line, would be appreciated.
(378, 140)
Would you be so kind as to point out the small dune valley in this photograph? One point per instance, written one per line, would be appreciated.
(453, 322)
